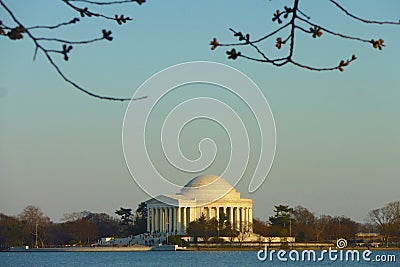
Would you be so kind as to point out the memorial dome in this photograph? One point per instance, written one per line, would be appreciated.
(208, 188)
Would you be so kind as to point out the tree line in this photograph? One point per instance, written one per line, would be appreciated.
(32, 227)
(305, 226)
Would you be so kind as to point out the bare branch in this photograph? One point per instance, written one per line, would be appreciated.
(340, 67)
(361, 19)
(69, 42)
(272, 33)
(110, 2)
(73, 21)
(86, 12)
(20, 30)
(297, 18)
(335, 33)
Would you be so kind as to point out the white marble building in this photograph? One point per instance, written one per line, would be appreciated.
(201, 195)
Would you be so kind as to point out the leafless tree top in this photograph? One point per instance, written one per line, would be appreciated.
(291, 20)
(86, 10)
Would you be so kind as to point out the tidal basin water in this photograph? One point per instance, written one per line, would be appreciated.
(166, 258)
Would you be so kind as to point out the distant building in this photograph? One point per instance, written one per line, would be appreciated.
(201, 195)
(369, 236)
(373, 239)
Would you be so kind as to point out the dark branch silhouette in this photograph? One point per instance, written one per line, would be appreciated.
(361, 19)
(20, 30)
(297, 21)
(110, 2)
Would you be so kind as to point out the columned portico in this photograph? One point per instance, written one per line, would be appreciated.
(196, 199)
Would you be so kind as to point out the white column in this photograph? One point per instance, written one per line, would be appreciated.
(153, 227)
(236, 212)
(184, 219)
(179, 219)
(241, 218)
(251, 218)
(170, 220)
(217, 213)
(188, 216)
(248, 216)
(160, 219)
(236, 218)
(244, 217)
(174, 219)
(163, 219)
(152, 220)
(231, 217)
(148, 219)
(155, 218)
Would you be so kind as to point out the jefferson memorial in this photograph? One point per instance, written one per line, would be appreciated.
(207, 194)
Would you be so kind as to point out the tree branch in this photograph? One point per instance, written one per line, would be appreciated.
(19, 31)
(110, 2)
(335, 33)
(73, 21)
(316, 31)
(69, 42)
(86, 12)
(361, 19)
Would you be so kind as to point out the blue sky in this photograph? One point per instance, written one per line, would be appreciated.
(338, 142)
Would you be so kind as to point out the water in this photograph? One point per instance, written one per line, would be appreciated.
(166, 258)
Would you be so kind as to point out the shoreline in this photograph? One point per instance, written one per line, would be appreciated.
(82, 249)
(146, 249)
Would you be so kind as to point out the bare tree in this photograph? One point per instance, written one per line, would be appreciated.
(46, 44)
(303, 215)
(320, 225)
(74, 216)
(244, 233)
(303, 227)
(387, 219)
(260, 227)
(35, 222)
(82, 230)
(291, 20)
(395, 209)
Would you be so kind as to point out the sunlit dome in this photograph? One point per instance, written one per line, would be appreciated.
(208, 179)
(208, 188)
